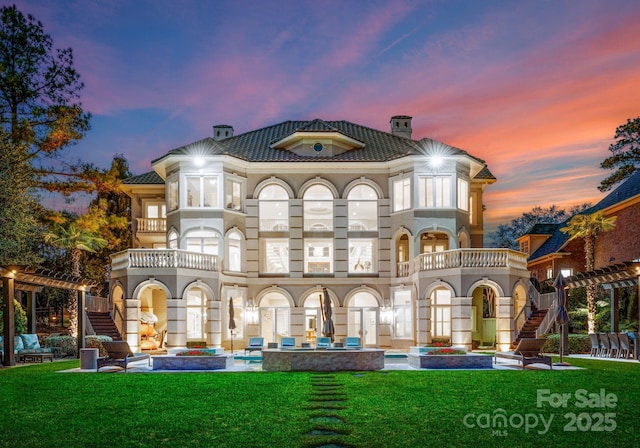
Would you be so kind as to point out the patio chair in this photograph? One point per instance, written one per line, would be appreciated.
(323, 342)
(352, 342)
(595, 344)
(626, 348)
(288, 342)
(614, 342)
(255, 344)
(527, 352)
(606, 345)
(119, 354)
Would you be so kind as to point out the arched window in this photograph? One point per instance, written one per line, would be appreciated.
(318, 208)
(273, 209)
(205, 241)
(363, 208)
(173, 240)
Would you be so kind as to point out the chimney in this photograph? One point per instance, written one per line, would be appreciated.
(401, 125)
(222, 131)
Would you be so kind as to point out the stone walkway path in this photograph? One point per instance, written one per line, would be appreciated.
(327, 399)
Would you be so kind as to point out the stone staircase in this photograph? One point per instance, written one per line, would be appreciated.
(529, 328)
(103, 325)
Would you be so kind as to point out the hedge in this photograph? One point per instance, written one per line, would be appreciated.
(68, 346)
(578, 343)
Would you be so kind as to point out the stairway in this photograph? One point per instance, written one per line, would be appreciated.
(529, 328)
(103, 325)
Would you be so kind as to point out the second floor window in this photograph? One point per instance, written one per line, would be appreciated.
(274, 209)
(401, 194)
(203, 241)
(363, 209)
(202, 191)
(435, 192)
(172, 195)
(463, 195)
(318, 208)
(233, 194)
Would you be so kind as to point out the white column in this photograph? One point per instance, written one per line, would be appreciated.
(423, 324)
(214, 324)
(504, 317)
(176, 323)
(132, 323)
(461, 321)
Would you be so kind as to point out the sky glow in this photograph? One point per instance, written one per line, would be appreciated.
(535, 88)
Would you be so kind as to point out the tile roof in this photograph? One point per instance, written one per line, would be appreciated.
(255, 146)
(147, 178)
(627, 190)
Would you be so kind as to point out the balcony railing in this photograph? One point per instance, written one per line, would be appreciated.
(152, 225)
(404, 269)
(471, 258)
(164, 258)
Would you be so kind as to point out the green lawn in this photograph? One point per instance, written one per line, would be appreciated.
(369, 409)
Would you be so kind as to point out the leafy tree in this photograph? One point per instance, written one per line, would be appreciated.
(19, 318)
(588, 226)
(626, 154)
(108, 215)
(38, 87)
(506, 235)
(19, 213)
(73, 239)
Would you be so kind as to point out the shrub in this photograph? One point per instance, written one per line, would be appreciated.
(578, 343)
(96, 342)
(196, 344)
(66, 345)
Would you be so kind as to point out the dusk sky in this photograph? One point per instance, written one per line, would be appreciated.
(535, 88)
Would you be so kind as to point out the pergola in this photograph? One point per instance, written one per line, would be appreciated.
(612, 278)
(32, 280)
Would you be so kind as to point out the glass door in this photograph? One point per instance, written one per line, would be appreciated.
(363, 324)
(274, 324)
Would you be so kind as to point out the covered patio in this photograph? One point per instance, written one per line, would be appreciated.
(32, 280)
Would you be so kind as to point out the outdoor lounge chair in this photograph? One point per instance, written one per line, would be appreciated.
(527, 352)
(352, 342)
(255, 344)
(323, 342)
(288, 342)
(595, 344)
(119, 354)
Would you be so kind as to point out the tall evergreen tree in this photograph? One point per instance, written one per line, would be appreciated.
(625, 158)
(39, 87)
(19, 212)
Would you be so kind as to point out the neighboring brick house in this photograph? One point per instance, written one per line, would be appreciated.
(551, 252)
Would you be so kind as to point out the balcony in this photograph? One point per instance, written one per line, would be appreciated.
(152, 225)
(164, 258)
(471, 258)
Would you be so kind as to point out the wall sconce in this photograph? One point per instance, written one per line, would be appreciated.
(386, 313)
(252, 313)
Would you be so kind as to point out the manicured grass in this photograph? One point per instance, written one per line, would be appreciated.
(378, 409)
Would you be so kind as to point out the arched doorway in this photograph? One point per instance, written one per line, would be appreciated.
(402, 256)
(362, 318)
(312, 316)
(484, 305)
(153, 315)
(275, 316)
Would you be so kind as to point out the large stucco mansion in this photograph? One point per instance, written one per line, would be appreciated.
(264, 220)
